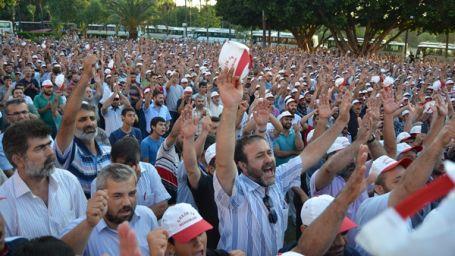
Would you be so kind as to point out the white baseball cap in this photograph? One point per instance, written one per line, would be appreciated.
(416, 129)
(184, 80)
(388, 81)
(284, 114)
(309, 136)
(375, 79)
(147, 90)
(210, 153)
(107, 71)
(449, 81)
(355, 101)
(340, 82)
(213, 94)
(47, 83)
(315, 206)
(339, 144)
(289, 101)
(188, 89)
(294, 90)
(403, 136)
(385, 164)
(183, 222)
(269, 95)
(405, 112)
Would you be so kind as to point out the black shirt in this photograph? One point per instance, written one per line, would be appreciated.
(205, 201)
(31, 88)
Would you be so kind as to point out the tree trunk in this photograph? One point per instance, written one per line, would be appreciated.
(132, 33)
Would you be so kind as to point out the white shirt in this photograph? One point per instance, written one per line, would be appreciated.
(26, 215)
(215, 110)
(113, 119)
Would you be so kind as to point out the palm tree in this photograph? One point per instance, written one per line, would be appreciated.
(131, 13)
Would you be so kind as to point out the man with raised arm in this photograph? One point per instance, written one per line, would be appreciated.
(75, 147)
(251, 207)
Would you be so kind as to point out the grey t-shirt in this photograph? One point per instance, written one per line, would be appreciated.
(174, 93)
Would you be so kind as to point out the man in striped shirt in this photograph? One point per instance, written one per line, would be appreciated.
(251, 206)
(75, 144)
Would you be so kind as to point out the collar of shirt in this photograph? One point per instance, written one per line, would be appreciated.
(100, 150)
(21, 188)
(250, 185)
(102, 225)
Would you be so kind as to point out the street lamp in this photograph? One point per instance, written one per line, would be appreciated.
(406, 40)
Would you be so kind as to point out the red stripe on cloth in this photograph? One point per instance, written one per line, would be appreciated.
(167, 175)
(419, 199)
(243, 62)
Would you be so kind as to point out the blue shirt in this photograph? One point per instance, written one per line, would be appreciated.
(244, 223)
(4, 163)
(81, 162)
(153, 112)
(149, 148)
(149, 189)
(285, 143)
(104, 240)
(119, 134)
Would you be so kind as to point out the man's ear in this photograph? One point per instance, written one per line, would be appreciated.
(242, 166)
(378, 189)
(17, 160)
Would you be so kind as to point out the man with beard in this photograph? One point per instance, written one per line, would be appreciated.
(76, 148)
(291, 106)
(251, 206)
(16, 110)
(113, 203)
(31, 86)
(155, 108)
(40, 199)
(289, 143)
(48, 104)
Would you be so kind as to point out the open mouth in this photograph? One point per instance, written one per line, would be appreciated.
(199, 253)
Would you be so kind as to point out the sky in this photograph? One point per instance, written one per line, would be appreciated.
(194, 3)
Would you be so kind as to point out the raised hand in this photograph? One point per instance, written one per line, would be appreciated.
(324, 109)
(231, 90)
(345, 106)
(388, 101)
(441, 105)
(261, 113)
(157, 241)
(97, 207)
(88, 63)
(357, 182)
(128, 243)
(366, 125)
(189, 122)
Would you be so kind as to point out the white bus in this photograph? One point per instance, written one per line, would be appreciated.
(6, 26)
(106, 30)
(435, 50)
(393, 47)
(213, 35)
(279, 38)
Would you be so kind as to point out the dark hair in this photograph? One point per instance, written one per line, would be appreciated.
(157, 92)
(14, 102)
(16, 136)
(88, 107)
(126, 110)
(46, 245)
(215, 119)
(156, 120)
(239, 155)
(203, 83)
(18, 87)
(128, 149)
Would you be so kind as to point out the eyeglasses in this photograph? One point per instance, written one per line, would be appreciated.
(273, 217)
(25, 112)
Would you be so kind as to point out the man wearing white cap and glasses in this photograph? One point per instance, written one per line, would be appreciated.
(215, 105)
(251, 206)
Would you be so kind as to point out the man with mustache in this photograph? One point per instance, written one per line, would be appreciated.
(76, 148)
(40, 199)
(251, 206)
(113, 203)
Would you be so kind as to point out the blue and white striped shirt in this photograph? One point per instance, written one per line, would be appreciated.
(149, 189)
(244, 223)
(81, 162)
(28, 216)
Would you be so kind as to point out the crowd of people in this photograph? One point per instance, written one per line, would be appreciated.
(121, 147)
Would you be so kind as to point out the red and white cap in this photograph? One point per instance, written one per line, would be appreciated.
(375, 79)
(315, 206)
(47, 83)
(388, 81)
(388, 233)
(403, 136)
(236, 55)
(188, 89)
(405, 147)
(340, 82)
(384, 164)
(183, 222)
(415, 130)
(284, 114)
